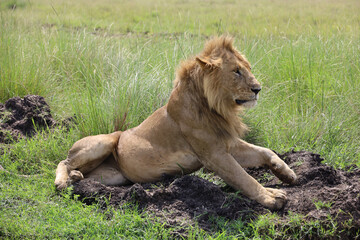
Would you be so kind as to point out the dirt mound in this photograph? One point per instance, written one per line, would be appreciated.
(18, 116)
(320, 192)
(181, 199)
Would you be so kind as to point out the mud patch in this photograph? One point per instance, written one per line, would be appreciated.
(321, 192)
(19, 116)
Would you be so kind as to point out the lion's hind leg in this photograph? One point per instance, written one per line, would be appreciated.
(108, 173)
(85, 156)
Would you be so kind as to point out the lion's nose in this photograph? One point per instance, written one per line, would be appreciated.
(256, 90)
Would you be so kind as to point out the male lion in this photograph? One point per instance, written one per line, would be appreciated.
(199, 126)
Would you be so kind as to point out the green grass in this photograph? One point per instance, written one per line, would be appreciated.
(39, 214)
(112, 63)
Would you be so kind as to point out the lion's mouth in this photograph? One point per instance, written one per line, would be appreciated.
(240, 102)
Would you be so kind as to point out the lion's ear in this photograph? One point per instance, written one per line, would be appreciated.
(206, 62)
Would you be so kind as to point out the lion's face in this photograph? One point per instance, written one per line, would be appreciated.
(228, 82)
(238, 81)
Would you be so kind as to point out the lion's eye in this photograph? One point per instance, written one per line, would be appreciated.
(237, 71)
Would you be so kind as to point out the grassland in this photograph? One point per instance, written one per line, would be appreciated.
(103, 60)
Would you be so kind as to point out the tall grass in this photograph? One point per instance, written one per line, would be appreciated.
(21, 71)
(309, 101)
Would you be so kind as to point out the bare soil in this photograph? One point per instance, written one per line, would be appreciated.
(321, 191)
(19, 116)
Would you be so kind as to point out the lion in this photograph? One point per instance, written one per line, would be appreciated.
(198, 127)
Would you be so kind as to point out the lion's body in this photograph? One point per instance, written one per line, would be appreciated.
(154, 148)
(198, 127)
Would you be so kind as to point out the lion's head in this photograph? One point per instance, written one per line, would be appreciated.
(228, 82)
(220, 83)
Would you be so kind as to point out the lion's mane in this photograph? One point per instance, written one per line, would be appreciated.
(212, 104)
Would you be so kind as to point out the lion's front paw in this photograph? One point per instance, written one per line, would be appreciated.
(282, 171)
(273, 198)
